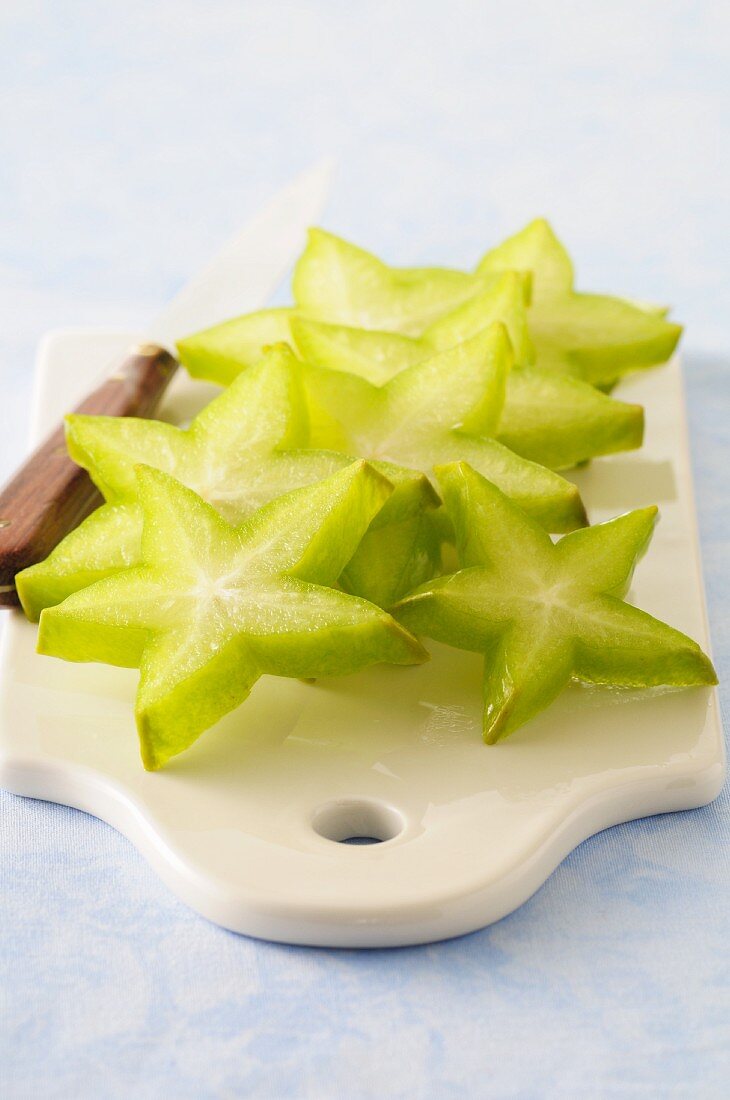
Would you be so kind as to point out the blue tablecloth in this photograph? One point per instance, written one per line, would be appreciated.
(135, 138)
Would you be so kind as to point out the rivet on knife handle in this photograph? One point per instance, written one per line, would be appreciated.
(49, 495)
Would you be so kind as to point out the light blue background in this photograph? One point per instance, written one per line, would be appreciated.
(135, 137)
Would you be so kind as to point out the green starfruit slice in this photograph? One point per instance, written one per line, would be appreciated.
(235, 454)
(553, 420)
(443, 410)
(378, 355)
(401, 549)
(220, 353)
(213, 607)
(338, 282)
(504, 299)
(590, 336)
(543, 613)
(594, 337)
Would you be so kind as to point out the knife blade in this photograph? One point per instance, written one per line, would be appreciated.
(49, 495)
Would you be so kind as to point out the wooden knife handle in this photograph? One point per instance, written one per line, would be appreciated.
(49, 495)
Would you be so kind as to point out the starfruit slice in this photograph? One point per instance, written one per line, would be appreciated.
(553, 420)
(213, 607)
(445, 409)
(337, 281)
(590, 336)
(243, 450)
(542, 613)
(594, 337)
(378, 355)
(401, 548)
(221, 352)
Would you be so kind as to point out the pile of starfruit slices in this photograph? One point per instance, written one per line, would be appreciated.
(382, 465)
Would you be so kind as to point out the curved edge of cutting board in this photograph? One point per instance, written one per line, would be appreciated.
(427, 910)
(436, 917)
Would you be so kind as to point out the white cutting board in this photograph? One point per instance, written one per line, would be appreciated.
(245, 826)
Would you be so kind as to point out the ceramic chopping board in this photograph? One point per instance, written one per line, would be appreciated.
(248, 826)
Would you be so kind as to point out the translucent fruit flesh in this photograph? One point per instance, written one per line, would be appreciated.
(542, 613)
(551, 419)
(209, 578)
(443, 410)
(591, 336)
(212, 607)
(244, 449)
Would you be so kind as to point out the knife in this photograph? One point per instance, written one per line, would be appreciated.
(49, 495)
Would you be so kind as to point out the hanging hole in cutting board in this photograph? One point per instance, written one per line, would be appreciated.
(357, 822)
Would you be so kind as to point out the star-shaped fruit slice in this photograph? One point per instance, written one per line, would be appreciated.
(220, 353)
(338, 282)
(243, 450)
(213, 606)
(444, 409)
(590, 336)
(551, 419)
(594, 337)
(543, 613)
(378, 355)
